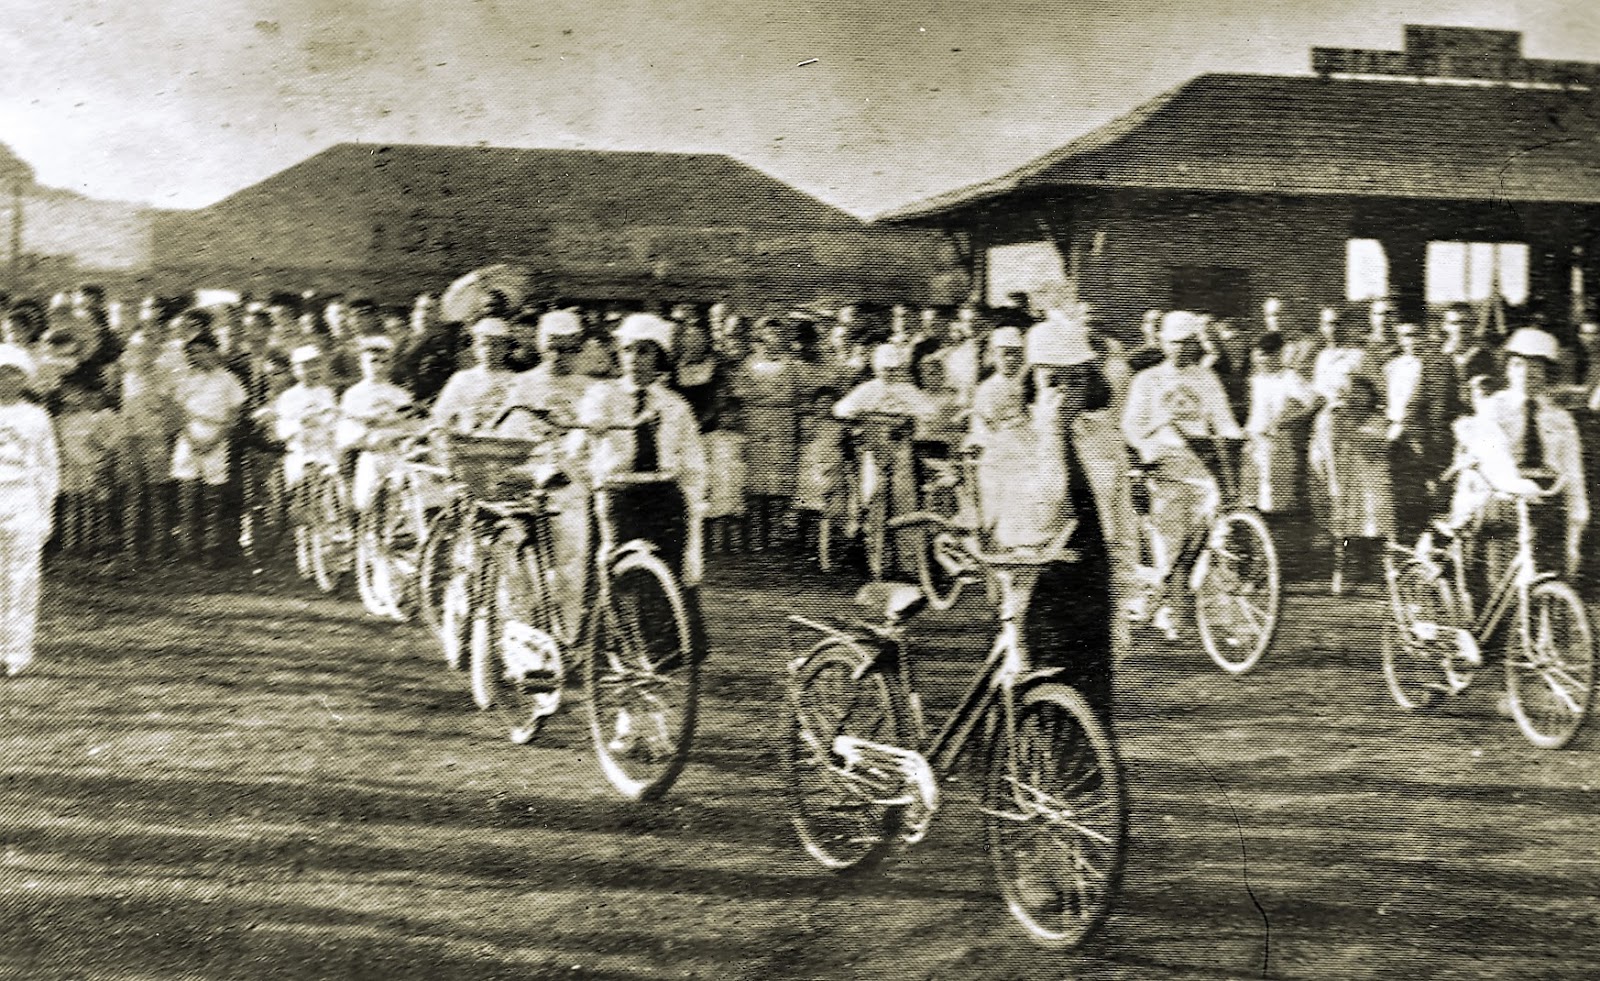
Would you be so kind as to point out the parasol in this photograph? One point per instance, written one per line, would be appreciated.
(467, 299)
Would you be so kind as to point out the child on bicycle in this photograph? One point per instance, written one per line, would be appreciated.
(1517, 442)
(371, 420)
(641, 427)
(1168, 405)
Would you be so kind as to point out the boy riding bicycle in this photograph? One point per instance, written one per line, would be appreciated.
(1170, 405)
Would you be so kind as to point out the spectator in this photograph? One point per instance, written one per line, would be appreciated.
(209, 399)
(29, 478)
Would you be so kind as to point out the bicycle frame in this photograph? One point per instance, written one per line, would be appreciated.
(1515, 584)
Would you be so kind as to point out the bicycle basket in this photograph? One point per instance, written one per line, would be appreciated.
(482, 463)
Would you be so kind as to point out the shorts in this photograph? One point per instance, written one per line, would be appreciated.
(210, 466)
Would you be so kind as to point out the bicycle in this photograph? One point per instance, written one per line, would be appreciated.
(1435, 639)
(1232, 570)
(634, 633)
(327, 517)
(950, 489)
(264, 520)
(391, 532)
(1055, 803)
(874, 438)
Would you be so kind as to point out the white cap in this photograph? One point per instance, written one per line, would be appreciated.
(305, 353)
(374, 342)
(491, 327)
(888, 356)
(1531, 342)
(1006, 337)
(646, 327)
(1180, 325)
(559, 323)
(16, 357)
(1059, 341)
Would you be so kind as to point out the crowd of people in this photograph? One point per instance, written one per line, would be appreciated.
(168, 413)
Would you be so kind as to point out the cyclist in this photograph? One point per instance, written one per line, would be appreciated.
(641, 426)
(1170, 404)
(1517, 439)
(472, 395)
(370, 421)
(885, 459)
(302, 415)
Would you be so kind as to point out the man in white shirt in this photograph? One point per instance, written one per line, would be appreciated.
(647, 458)
(208, 398)
(473, 395)
(303, 416)
(1169, 405)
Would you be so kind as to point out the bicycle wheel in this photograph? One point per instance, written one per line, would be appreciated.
(330, 534)
(1056, 817)
(517, 667)
(1550, 680)
(433, 566)
(644, 678)
(371, 578)
(1237, 591)
(1413, 657)
(263, 522)
(941, 584)
(838, 810)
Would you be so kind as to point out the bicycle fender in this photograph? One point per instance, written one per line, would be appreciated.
(1036, 676)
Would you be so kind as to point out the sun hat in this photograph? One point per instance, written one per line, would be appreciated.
(1531, 342)
(1059, 341)
(636, 327)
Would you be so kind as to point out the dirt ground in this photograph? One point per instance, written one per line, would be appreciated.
(227, 776)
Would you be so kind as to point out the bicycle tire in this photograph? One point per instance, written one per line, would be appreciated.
(368, 545)
(329, 535)
(1250, 582)
(433, 566)
(1413, 665)
(516, 668)
(1541, 675)
(629, 672)
(844, 832)
(1058, 737)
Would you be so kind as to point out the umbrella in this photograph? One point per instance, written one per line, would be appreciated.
(467, 299)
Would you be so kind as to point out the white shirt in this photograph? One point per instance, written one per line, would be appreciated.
(610, 405)
(1333, 369)
(210, 400)
(30, 472)
(470, 396)
(886, 397)
(1271, 398)
(541, 388)
(1402, 379)
(1167, 403)
(304, 417)
(961, 369)
(368, 407)
(1492, 434)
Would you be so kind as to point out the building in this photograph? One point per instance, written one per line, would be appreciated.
(592, 224)
(1455, 169)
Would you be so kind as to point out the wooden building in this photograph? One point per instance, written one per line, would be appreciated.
(392, 220)
(1455, 169)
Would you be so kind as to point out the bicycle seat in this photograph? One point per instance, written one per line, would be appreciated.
(899, 601)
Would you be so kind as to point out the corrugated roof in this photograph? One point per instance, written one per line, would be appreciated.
(547, 186)
(1303, 135)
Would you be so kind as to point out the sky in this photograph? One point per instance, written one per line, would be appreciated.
(868, 104)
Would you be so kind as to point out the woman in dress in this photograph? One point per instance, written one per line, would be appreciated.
(1280, 401)
(768, 386)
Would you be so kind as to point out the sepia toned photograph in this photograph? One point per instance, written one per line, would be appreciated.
(632, 490)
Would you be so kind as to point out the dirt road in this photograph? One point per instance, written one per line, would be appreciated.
(228, 777)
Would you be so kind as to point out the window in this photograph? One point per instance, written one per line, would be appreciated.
(1032, 267)
(1470, 272)
(1366, 268)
